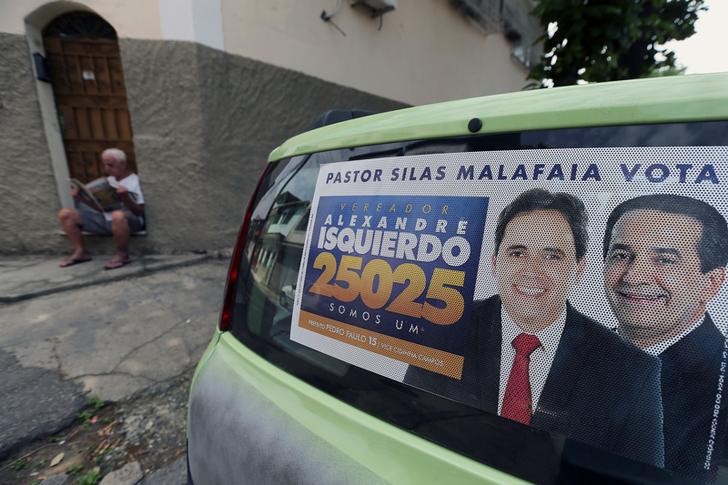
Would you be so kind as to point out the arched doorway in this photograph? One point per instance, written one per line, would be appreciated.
(88, 86)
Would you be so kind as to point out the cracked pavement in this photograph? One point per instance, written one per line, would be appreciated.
(109, 340)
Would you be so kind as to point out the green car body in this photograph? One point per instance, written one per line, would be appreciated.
(659, 100)
(388, 453)
(316, 436)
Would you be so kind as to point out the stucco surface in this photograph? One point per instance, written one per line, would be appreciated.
(164, 103)
(249, 108)
(204, 122)
(28, 194)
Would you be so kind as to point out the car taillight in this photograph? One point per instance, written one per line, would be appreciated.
(226, 315)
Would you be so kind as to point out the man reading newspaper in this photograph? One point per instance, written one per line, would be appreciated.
(90, 216)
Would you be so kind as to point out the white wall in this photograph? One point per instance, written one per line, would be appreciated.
(426, 51)
(193, 20)
(130, 18)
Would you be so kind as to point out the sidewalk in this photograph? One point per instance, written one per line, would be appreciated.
(70, 333)
(25, 277)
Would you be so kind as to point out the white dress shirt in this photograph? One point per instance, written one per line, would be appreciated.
(541, 358)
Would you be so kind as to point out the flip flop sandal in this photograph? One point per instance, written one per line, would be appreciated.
(116, 264)
(73, 261)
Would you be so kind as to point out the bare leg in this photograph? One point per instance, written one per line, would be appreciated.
(70, 221)
(121, 233)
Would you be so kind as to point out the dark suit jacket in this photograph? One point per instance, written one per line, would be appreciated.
(691, 369)
(600, 390)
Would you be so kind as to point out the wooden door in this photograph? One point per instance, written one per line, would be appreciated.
(88, 84)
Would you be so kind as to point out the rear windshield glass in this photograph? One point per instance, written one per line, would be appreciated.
(586, 340)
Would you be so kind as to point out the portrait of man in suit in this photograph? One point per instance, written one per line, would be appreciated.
(533, 358)
(664, 261)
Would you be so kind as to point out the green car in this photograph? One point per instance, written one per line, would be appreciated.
(522, 287)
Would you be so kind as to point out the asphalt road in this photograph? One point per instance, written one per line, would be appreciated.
(111, 340)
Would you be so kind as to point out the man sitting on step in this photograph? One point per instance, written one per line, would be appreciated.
(118, 223)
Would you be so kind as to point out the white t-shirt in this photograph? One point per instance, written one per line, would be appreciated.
(131, 182)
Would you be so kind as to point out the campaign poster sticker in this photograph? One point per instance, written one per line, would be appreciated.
(626, 244)
(393, 275)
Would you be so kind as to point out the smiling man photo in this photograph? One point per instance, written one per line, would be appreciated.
(533, 358)
(664, 261)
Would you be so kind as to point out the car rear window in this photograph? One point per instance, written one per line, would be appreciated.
(269, 275)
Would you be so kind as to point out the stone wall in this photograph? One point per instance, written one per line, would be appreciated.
(204, 122)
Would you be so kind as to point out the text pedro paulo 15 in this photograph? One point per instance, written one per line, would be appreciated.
(391, 274)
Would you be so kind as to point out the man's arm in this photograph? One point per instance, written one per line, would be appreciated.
(128, 201)
(76, 194)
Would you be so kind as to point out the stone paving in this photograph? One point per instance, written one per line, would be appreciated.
(69, 334)
(32, 276)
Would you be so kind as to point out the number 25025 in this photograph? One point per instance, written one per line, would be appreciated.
(358, 282)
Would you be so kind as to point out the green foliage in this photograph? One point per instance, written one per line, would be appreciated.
(668, 71)
(91, 477)
(86, 415)
(607, 40)
(93, 405)
(20, 464)
(96, 403)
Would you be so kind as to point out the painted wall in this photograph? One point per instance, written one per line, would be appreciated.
(130, 18)
(204, 122)
(193, 20)
(204, 119)
(28, 193)
(426, 51)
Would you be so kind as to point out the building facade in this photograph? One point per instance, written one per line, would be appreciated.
(199, 91)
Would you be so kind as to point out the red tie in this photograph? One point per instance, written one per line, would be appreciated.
(517, 398)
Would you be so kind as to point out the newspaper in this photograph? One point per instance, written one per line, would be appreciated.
(99, 194)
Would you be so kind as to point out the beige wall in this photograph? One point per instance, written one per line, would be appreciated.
(204, 123)
(130, 18)
(238, 105)
(425, 51)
